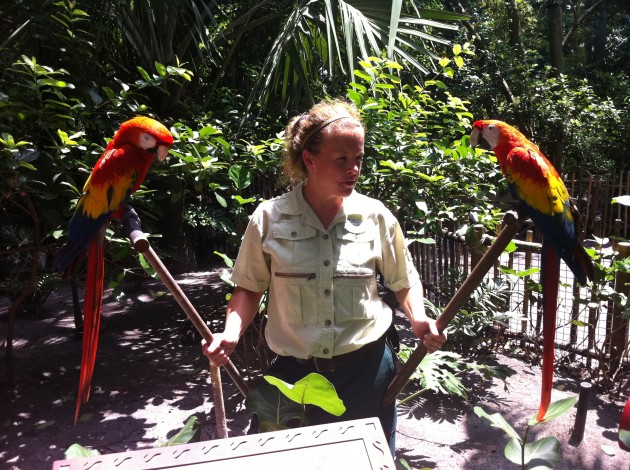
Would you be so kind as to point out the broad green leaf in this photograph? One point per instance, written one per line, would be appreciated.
(271, 406)
(497, 421)
(161, 69)
(314, 389)
(220, 199)
(556, 409)
(511, 248)
(76, 451)
(189, 433)
(226, 259)
(543, 453)
(241, 176)
(144, 74)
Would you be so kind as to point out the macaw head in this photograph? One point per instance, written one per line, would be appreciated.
(146, 133)
(486, 134)
(490, 134)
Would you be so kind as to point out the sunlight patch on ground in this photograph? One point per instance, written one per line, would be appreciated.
(168, 418)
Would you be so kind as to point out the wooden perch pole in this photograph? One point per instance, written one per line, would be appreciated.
(142, 245)
(510, 228)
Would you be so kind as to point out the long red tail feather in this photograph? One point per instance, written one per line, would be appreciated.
(92, 316)
(550, 278)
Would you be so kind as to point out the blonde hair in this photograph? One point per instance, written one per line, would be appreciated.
(306, 131)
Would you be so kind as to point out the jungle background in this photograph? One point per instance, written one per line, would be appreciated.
(226, 76)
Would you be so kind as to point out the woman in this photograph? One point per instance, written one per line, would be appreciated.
(317, 249)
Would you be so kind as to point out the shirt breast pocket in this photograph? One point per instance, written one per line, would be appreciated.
(295, 292)
(293, 244)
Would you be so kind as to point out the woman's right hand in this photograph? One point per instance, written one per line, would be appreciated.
(219, 350)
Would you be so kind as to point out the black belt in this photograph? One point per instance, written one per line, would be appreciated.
(321, 364)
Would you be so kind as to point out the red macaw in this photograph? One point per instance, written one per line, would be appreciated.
(543, 197)
(116, 175)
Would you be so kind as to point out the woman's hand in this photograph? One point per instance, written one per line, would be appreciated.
(241, 310)
(220, 349)
(427, 331)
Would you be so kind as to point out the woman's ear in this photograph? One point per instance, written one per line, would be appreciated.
(307, 158)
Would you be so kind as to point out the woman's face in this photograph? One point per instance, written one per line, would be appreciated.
(335, 169)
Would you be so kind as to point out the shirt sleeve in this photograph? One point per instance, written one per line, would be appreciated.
(252, 268)
(397, 265)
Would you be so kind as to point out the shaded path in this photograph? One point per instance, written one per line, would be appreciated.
(150, 377)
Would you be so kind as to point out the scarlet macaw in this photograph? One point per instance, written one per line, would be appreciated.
(117, 174)
(543, 197)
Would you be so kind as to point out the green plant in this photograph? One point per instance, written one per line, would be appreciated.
(189, 433)
(542, 453)
(469, 329)
(278, 404)
(418, 158)
(439, 372)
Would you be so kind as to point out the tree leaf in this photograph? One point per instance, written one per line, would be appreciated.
(271, 406)
(497, 421)
(76, 451)
(314, 389)
(556, 409)
(189, 433)
(543, 453)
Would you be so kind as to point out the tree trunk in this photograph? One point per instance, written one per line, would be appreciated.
(555, 35)
(557, 62)
(514, 23)
(596, 45)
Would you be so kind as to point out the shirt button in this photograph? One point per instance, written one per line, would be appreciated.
(326, 237)
(293, 234)
(325, 351)
(327, 322)
(326, 263)
(327, 292)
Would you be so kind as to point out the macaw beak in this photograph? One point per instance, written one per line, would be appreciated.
(162, 153)
(477, 140)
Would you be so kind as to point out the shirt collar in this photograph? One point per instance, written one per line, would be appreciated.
(297, 205)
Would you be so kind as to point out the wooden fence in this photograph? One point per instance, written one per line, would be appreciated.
(593, 195)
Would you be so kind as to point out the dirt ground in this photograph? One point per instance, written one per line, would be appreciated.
(150, 377)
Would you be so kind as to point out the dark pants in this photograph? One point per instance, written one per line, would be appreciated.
(360, 385)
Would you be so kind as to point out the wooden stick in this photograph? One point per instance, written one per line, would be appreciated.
(510, 228)
(219, 406)
(142, 245)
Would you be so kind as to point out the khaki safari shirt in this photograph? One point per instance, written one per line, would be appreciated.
(323, 298)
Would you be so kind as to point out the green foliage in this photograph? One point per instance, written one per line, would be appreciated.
(191, 432)
(77, 451)
(278, 403)
(543, 453)
(418, 157)
(439, 372)
(469, 330)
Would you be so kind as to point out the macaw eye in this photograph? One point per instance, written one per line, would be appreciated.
(491, 127)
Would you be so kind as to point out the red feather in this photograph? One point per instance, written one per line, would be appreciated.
(92, 305)
(550, 275)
